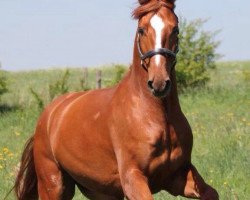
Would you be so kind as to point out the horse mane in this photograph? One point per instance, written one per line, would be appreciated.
(151, 6)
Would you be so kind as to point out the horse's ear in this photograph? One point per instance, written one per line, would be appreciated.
(168, 1)
(143, 1)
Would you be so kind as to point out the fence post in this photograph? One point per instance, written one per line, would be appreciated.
(98, 79)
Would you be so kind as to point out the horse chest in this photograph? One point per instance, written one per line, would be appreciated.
(167, 152)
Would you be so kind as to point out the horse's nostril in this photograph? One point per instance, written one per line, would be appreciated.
(168, 84)
(150, 84)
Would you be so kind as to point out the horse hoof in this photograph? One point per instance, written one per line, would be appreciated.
(210, 194)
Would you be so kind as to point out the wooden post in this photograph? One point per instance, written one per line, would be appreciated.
(98, 79)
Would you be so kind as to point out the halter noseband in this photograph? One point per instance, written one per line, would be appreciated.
(159, 51)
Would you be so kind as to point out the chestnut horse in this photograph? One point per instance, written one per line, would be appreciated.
(130, 141)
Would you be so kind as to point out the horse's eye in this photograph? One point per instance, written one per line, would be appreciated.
(140, 31)
(176, 31)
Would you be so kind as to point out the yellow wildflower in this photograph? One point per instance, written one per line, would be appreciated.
(5, 150)
(17, 133)
(10, 154)
(244, 119)
(230, 114)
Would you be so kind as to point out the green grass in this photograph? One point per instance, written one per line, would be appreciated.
(218, 114)
(20, 83)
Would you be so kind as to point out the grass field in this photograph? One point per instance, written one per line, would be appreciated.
(218, 114)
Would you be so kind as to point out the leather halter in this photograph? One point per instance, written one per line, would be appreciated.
(159, 51)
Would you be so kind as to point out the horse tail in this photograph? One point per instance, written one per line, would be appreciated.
(26, 181)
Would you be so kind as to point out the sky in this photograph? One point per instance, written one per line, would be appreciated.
(36, 34)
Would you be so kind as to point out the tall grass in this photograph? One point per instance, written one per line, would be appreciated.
(218, 114)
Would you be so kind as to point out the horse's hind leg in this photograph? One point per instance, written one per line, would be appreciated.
(53, 183)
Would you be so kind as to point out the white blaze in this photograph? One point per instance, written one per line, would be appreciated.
(158, 25)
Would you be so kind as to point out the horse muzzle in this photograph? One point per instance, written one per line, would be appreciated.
(159, 88)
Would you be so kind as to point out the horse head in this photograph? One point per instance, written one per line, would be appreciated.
(157, 42)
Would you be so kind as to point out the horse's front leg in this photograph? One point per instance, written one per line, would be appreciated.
(134, 182)
(135, 185)
(189, 183)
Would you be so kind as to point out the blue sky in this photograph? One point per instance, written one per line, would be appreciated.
(62, 33)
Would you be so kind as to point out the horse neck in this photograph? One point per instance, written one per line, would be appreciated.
(139, 78)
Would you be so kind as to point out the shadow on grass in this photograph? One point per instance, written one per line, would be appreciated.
(4, 108)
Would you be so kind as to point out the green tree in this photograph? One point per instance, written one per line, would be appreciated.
(197, 54)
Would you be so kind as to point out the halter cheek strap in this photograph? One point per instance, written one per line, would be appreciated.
(159, 51)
